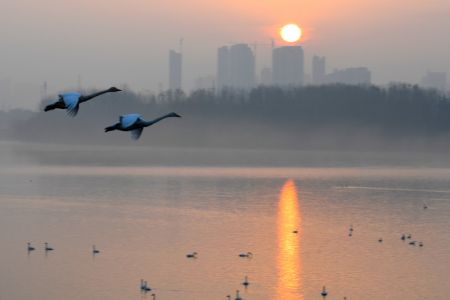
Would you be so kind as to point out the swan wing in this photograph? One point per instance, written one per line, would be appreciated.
(127, 121)
(136, 133)
(72, 102)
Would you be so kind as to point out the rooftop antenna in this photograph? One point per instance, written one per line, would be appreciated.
(181, 45)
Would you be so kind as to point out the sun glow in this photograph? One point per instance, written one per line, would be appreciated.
(289, 232)
(291, 33)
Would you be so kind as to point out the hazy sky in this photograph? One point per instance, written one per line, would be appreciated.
(112, 42)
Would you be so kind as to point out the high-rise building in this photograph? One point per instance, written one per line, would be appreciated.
(353, 76)
(288, 66)
(435, 80)
(223, 67)
(236, 67)
(242, 66)
(318, 70)
(175, 69)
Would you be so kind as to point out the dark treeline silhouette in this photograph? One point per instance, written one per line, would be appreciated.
(311, 117)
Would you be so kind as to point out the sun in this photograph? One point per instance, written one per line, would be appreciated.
(291, 33)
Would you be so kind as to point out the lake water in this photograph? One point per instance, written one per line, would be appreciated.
(145, 219)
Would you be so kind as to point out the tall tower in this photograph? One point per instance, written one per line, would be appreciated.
(288, 66)
(318, 70)
(223, 67)
(175, 69)
(236, 67)
(242, 67)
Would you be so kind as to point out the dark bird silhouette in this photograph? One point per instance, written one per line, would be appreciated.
(246, 283)
(72, 100)
(47, 248)
(95, 250)
(135, 123)
(144, 286)
(192, 255)
(247, 255)
(29, 247)
(324, 292)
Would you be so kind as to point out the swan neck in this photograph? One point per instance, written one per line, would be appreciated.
(148, 123)
(93, 95)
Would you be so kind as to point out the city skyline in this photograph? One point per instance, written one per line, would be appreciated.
(126, 43)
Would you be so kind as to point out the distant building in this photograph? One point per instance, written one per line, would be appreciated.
(175, 69)
(242, 66)
(223, 67)
(318, 70)
(435, 80)
(288, 66)
(236, 67)
(266, 76)
(354, 76)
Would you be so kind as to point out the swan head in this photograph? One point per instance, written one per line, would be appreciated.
(114, 89)
(173, 114)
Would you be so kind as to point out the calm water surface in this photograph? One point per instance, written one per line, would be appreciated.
(145, 220)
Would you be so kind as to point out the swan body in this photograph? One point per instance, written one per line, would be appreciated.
(47, 248)
(144, 286)
(71, 101)
(246, 283)
(237, 296)
(29, 247)
(324, 292)
(192, 255)
(248, 255)
(136, 124)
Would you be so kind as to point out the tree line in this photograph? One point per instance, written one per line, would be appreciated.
(328, 116)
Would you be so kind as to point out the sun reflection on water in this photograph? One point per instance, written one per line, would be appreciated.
(288, 259)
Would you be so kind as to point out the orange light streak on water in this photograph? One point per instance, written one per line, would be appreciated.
(288, 258)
